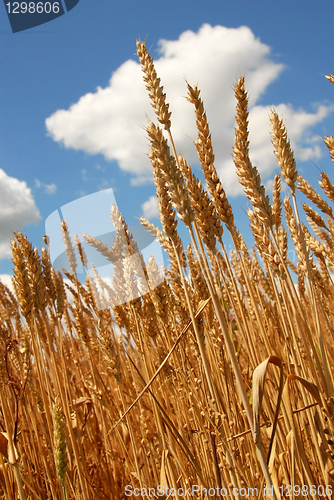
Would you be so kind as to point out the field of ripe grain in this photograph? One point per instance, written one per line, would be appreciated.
(221, 376)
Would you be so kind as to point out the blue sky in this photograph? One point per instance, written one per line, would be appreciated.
(73, 103)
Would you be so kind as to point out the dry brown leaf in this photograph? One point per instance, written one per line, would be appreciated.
(312, 388)
(259, 377)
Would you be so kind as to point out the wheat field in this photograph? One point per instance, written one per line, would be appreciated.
(219, 381)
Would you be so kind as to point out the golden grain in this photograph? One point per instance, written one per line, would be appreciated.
(104, 388)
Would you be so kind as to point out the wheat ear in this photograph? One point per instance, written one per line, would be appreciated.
(60, 446)
(47, 270)
(277, 202)
(326, 185)
(330, 78)
(313, 216)
(283, 151)
(206, 214)
(205, 154)
(167, 171)
(312, 195)
(70, 252)
(21, 281)
(156, 91)
(248, 175)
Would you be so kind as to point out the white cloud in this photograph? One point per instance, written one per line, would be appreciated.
(17, 209)
(304, 144)
(110, 121)
(150, 208)
(7, 280)
(48, 188)
(140, 180)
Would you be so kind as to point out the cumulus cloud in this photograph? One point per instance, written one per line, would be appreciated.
(150, 208)
(7, 281)
(110, 120)
(306, 146)
(17, 209)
